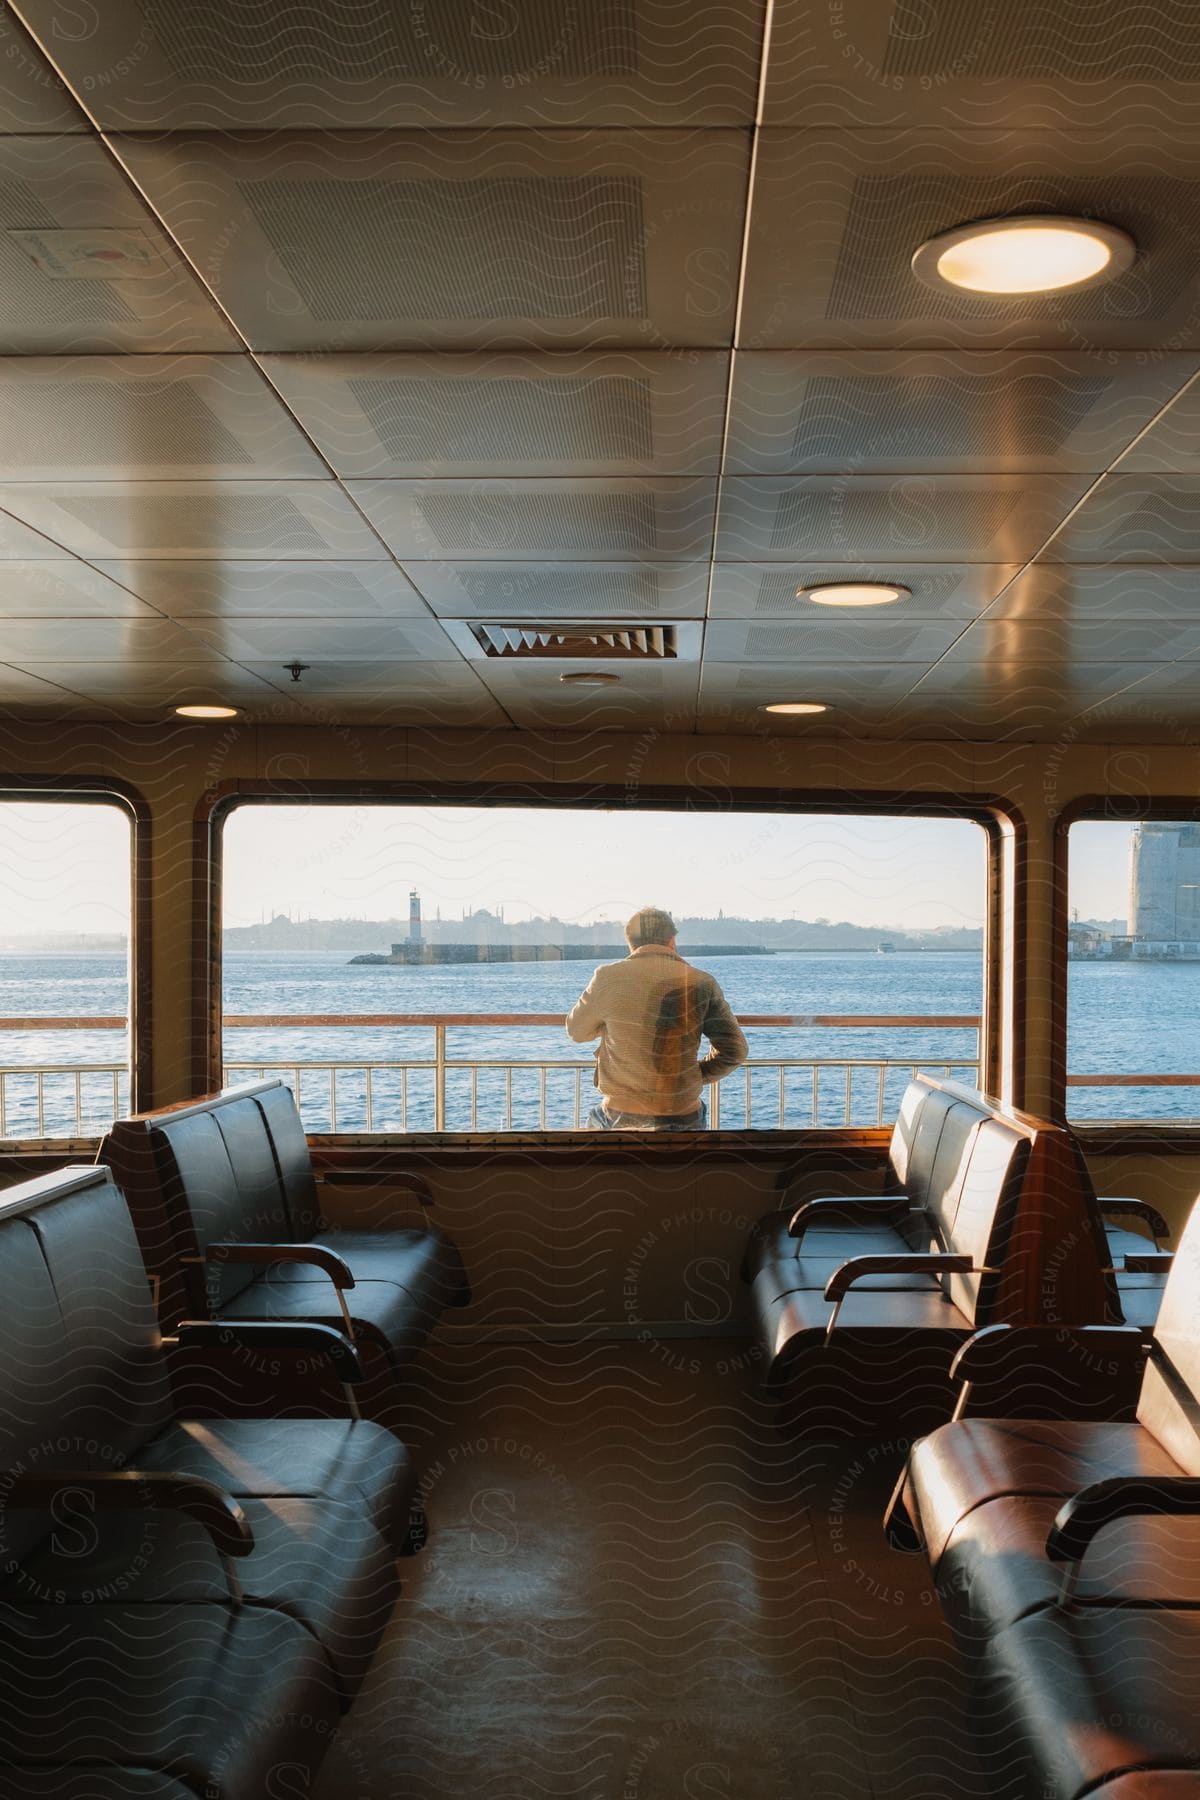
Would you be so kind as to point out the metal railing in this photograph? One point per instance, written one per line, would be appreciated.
(83, 1099)
(442, 1091)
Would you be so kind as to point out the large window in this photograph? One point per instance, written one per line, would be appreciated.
(1133, 981)
(407, 968)
(64, 968)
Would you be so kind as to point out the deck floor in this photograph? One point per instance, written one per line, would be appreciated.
(634, 1589)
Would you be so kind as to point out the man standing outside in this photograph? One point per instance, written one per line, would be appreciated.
(650, 1013)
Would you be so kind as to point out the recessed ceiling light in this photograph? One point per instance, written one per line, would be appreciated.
(795, 706)
(207, 712)
(1040, 254)
(596, 675)
(855, 593)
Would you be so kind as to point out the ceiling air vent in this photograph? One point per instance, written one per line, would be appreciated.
(620, 642)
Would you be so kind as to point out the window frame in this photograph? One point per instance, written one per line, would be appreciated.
(85, 790)
(1181, 1137)
(1005, 835)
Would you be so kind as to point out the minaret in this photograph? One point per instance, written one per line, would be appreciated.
(414, 918)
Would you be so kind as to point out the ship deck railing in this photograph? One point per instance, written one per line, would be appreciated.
(439, 1088)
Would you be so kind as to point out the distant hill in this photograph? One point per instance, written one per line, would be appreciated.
(352, 937)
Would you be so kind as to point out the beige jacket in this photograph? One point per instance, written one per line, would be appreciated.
(650, 1013)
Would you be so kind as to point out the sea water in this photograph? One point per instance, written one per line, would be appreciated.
(1122, 1017)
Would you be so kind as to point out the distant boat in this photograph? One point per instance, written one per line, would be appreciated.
(886, 948)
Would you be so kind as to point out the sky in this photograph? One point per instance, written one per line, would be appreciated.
(65, 868)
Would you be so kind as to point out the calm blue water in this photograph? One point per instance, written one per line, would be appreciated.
(1122, 1017)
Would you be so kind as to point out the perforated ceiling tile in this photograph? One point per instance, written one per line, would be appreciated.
(562, 590)
(21, 690)
(69, 590)
(919, 410)
(20, 543)
(162, 416)
(84, 264)
(150, 64)
(759, 590)
(1050, 590)
(1134, 518)
(835, 642)
(640, 521)
(1173, 442)
(475, 240)
(862, 202)
(161, 685)
(1053, 64)
(1073, 641)
(445, 693)
(416, 642)
(759, 683)
(233, 590)
(1024, 678)
(599, 414)
(32, 98)
(121, 640)
(927, 517)
(248, 519)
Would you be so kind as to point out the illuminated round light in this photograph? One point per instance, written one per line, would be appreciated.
(855, 593)
(207, 712)
(795, 706)
(1044, 254)
(590, 675)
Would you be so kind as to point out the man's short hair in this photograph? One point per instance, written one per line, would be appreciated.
(651, 925)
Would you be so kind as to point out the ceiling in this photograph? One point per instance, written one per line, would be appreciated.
(327, 327)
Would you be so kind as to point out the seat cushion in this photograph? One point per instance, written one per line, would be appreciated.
(1140, 1297)
(887, 1369)
(319, 1561)
(217, 1698)
(771, 1239)
(343, 1459)
(425, 1263)
(1123, 1241)
(973, 1461)
(994, 1568)
(1076, 1696)
(797, 1274)
(873, 1319)
(380, 1310)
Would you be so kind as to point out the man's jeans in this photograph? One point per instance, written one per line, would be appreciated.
(600, 1120)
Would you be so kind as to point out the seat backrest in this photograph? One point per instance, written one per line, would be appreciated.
(292, 1160)
(220, 1184)
(82, 1377)
(984, 1212)
(904, 1133)
(939, 1192)
(1169, 1404)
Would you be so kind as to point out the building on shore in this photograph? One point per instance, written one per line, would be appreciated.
(1164, 891)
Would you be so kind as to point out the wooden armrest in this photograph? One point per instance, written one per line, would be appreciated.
(129, 1490)
(855, 1209)
(1086, 1513)
(364, 1178)
(1047, 1351)
(263, 1255)
(858, 1267)
(1137, 1209)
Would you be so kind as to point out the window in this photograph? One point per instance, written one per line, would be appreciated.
(1133, 970)
(64, 968)
(408, 967)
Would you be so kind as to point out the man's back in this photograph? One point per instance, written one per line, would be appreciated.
(650, 1012)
